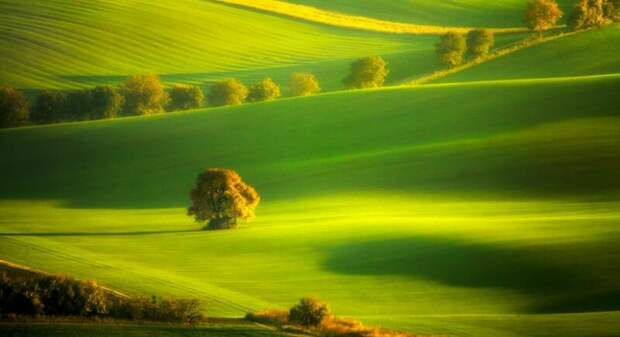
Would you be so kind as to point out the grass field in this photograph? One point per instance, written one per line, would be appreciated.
(486, 204)
(472, 221)
(465, 13)
(588, 53)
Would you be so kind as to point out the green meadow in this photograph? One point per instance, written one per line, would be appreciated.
(486, 204)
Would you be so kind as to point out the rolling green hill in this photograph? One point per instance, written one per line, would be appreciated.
(592, 52)
(66, 44)
(467, 13)
(496, 218)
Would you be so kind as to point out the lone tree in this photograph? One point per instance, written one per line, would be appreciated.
(13, 107)
(144, 95)
(309, 312)
(185, 97)
(107, 102)
(368, 72)
(304, 84)
(220, 197)
(50, 107)
(451, 49)
(588, 14)
(479, 43)
(265, 90)
(540, 15)
(229, 92)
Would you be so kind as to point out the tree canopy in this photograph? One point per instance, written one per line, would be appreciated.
(304, 84)
(265, 90)
(13, 107)
(368, 72)
(479, 43)
(220, 197)
(144, 94)
(541, 15)
(451, 49)
(185, 97)
(228, 92)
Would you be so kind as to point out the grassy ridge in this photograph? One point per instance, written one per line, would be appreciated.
(64, 44)
(467, 13)
(588, 53)
(425, 209)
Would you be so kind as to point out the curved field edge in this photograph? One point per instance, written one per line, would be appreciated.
(313, 14)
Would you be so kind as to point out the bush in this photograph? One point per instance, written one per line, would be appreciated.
(612, 10)
(107, 102)
(479, 43)
(13, 107)
(265, 90)
(269, 317)
(79, 105)
(304, 84)
(220, 197)
(587, 14)
(49, 107)
(309, 312)
(157, 309)
(185, 97)
(229, 92)
(369, 72)
(451, 49)
(144, 94)
(540, 15)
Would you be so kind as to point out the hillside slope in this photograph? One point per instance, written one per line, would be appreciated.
(419, 206)
(64, 44)
(593, 52)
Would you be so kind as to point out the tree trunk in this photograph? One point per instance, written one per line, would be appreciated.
(221, 223)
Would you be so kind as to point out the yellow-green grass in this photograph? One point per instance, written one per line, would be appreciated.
(67, 44)
(463, 13)
(480, 209)
(592, 52)
(326, 17)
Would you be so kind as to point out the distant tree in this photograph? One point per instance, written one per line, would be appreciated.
(265, 90)
(309, 312)
(451, 49)
(13, 107)
(79, 105)
(587, 14)
(479, 43)
(304, 84)
(185, 97)
(368, 72)
(220, 197)
(144, 94)
(540, 15)
(107, 102)
(49, 107)
(229, 92)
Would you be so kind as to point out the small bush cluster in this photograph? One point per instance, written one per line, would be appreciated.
(63, 296)
(454, 48)
(311, 314)
(593, 13)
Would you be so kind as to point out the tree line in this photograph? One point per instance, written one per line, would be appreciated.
(540, 15)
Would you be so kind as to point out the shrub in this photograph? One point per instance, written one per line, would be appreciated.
(157, 309)
(451, 49)
(13, 107)
(79, 105)
(368, 72)
(107, 102)
(144, 94)
(338, 327)
(309, 312)
(265, 90)
(220, 197)
(49, 107)
(229, 92)
(185, 97)
(269, 317)
(304, 84)
(479, 43)
(587, 14)
(540, 15)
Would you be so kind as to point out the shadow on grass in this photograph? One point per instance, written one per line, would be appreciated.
(554, 282)
(137, 233)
